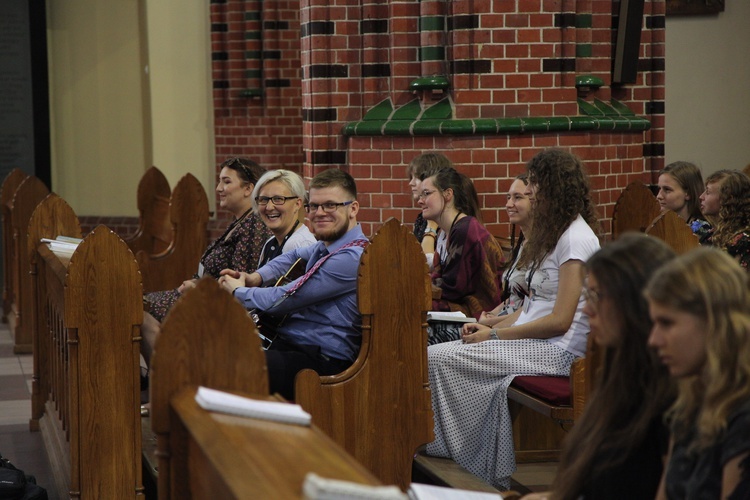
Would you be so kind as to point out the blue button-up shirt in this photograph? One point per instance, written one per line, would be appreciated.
(323, 311)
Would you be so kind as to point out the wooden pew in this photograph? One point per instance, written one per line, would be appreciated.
(29, 193)
(544, 408)
(379, 409)
(205, 455)
(635, 209)
(155, 229)
(88, 392)
(53, 217)
(8, 189)
(670, 228)
(188, 214)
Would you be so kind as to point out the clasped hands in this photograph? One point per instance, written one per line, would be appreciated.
(472, 333)
(230, 280)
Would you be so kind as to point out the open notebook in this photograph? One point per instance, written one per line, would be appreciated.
(223, 402)
(451, 316)
(318, 488)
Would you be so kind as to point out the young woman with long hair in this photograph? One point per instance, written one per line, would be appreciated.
(726, 202)
(621, 434)
(700, 306)
(680, 186)
(469, 378)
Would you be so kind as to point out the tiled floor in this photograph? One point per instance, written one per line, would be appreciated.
(23, 448)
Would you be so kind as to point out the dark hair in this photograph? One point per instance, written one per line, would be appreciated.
(734, 200)
(247, 170)
(465, 197)
(427, 165)
(562, 193)
(633, 387)
(689, 177)
(334, 177)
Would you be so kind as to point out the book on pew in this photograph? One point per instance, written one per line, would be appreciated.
(318, 488)
(450, 316)
(63, 245)
(223, 402)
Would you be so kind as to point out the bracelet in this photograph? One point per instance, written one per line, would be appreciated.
(493, 334)
(432, 234)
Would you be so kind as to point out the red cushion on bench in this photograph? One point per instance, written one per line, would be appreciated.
(555, 390)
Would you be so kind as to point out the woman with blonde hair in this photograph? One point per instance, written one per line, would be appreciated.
(700, 306)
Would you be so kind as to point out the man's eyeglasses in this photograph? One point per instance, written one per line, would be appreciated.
(424, 194)
(328, 207)
(262, 201)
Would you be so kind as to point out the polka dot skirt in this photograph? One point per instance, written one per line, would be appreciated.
(469, 385)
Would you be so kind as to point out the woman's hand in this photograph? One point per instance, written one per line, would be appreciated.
(473, 333)
(487, 318)
(187, 285)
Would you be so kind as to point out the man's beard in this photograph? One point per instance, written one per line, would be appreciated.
(332, 235)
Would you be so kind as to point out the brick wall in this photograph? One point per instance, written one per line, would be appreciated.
(288, 78)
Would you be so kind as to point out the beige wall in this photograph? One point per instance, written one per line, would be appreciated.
(98, 151)
(129, 87)
(707, 89)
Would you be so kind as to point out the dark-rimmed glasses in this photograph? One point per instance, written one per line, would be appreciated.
(424, 194)
(262, 201)
(328, 207)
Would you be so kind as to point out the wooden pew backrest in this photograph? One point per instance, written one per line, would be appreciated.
(380, 409)
(670, 228)
(188, 213)
(155, 229)
(10, 184)
(206, 339)
(635, 209)
(28, 195)
(52, 217)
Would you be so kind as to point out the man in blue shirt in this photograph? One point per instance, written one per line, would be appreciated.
(321, 326)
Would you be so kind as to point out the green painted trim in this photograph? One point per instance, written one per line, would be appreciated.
(584, 20)
(589, 81)
(252, 16)
(432, 53)
(583, 50)
(253, 54)
(251, 93)
(253, 35)
(436, 120)
(432, 23)
(437, 82)
(253, 73)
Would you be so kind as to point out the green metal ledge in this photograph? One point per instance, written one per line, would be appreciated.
(411, 120)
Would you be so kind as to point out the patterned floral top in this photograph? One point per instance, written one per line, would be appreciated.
(238, 248)
(703, 230)
(739, 248)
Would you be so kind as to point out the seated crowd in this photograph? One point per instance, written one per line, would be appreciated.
(669, 416)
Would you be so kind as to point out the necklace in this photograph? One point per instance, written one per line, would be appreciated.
(271, 251)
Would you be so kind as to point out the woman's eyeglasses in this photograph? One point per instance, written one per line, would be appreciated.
(262, 201)
(424, 194)
(592, 296)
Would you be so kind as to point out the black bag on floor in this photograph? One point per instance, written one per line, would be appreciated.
(15, 485)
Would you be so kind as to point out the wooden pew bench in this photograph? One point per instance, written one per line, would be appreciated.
(86, 387)
(25, 199)
(634, 210)
(670, 228)
(188, 215)
(155, 232)
(8, 189)
(544, 408)
(208, 455)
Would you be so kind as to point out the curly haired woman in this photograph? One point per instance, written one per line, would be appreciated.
(726, 203)
(469, 377)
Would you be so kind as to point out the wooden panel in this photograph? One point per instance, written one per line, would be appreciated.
(235, 458)
(188, 212)
(8, 189)
(25, 199)
(635, 209)
(380, 409)
(670, 228)
(155, 232)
